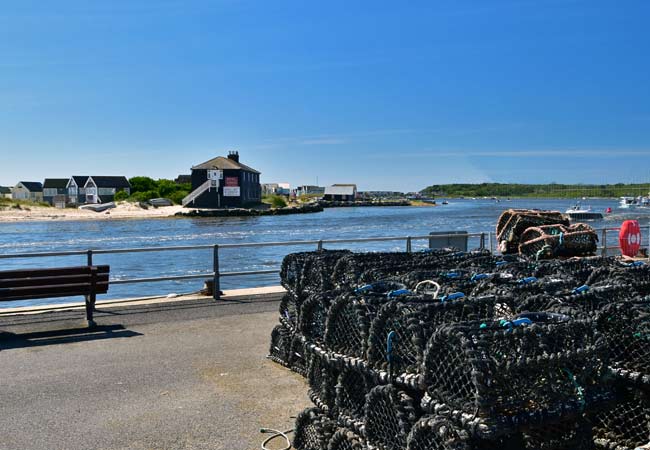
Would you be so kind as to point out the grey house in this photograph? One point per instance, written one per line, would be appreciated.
(100, 189)
(76, 190)
(54, 191)
(28, 190)
(224, 182)
(341, 193)
(5, 192)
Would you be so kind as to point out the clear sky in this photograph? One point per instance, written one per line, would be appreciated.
(390, 95)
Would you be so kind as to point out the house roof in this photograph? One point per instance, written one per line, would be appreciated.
(55, 183)
(223, 163)
(5, 190)
(80, 180)
(32, 186)
(110, 182)
(339, 190)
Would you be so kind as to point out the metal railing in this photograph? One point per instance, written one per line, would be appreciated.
(216, 274)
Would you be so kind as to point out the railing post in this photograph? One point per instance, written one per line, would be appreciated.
(490, 241)
(89, 257)
(604, 241)
(320, 246)
(408, 244)
(482, 244)
(216, 282)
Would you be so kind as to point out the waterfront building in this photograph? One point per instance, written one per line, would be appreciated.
(308, 189)
(28, 190)
(341, 193)
(224, 182)
(102, 189)
(183, 179)
(76, 189)
(5, 192)
(55, 190)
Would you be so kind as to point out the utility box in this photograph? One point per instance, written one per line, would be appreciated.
(444, 239)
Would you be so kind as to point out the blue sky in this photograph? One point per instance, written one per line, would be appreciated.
(390, 95)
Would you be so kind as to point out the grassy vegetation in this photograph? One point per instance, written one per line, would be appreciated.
(420, 203)
(276, 201)
(145, 188)
(552, 190)
(6, 203)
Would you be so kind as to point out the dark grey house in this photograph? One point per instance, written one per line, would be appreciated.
(224, 182)
(76, 189)
(103, 189)
(55, 190)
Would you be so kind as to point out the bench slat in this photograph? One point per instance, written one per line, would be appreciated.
(50, 280)
(65, 290)
(35, 273)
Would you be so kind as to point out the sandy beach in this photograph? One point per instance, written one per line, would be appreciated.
(124, 210)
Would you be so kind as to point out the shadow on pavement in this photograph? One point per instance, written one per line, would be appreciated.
(53, 337)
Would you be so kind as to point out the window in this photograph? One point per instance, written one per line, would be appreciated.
(49, 192)
(106, 191)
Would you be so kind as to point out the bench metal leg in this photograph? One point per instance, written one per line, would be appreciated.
(90, 309)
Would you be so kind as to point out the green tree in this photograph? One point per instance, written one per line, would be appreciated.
(120, 196)
(143, 184)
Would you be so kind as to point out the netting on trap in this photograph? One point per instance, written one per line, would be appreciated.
(313, 315)
(510, 373)
(503, 284)
(411, 320)
(308, 270)
(322, 378)
(348, 322)
(351, 389)
(565, 435)
(437, 433)
(626, 328)
(313, 430)
(280, 345)
(389, 414)
(290, 309)
(626, 424)
(550, 241)
(299, 356)
(513, 222)
(345, 439)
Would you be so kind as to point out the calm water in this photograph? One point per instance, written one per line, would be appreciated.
(336, 223)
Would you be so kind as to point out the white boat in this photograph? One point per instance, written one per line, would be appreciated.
(99, 207)
(577, 212)
(628, 203)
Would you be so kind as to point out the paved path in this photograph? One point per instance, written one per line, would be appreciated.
(186, 375)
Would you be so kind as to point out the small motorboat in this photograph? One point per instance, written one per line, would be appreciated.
(577, 212)
(98, 207)
(445, 202)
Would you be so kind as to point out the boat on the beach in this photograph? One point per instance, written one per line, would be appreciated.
(99, 207)
(577, 212)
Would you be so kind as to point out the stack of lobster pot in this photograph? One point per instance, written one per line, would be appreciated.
(466, 351)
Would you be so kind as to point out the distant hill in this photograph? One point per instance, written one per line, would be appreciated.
(552, 190)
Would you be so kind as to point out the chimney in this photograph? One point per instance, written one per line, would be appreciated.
(234, 156)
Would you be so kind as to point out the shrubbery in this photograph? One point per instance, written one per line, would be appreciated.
(145, 188)
(276, 201)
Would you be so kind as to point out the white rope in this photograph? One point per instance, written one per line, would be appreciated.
(428, 282)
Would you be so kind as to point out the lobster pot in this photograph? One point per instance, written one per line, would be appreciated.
(348, 323)
(450, 281)
(291, 270)
(513, 222)
(631, 278)
(313, 315)
(555, 240)
(567, 435)
(317, 271)
(345, 439)
(313, 430)
(505, 376)
(322, 378)
(390, 415)
(626, 327)
(280, 345)
(624, 425)
(412, 320)
(351, 390)
(299, 356)
(437, 433)
(290, 309)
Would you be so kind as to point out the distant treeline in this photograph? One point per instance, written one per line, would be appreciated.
(552, 190)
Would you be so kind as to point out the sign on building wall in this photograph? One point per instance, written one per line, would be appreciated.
(231, 191)
(232, 182)
(215, 175)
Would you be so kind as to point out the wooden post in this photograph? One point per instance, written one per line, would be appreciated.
(216, 282)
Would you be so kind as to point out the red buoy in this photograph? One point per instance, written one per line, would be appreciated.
(608, 210)
(630, 238)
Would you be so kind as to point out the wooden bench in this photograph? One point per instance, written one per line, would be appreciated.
(57, 282)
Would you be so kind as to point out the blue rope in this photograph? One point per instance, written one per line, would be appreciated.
(389, 346)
